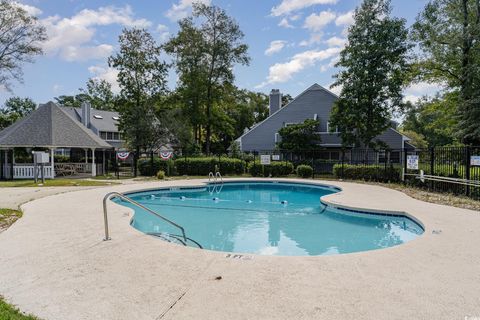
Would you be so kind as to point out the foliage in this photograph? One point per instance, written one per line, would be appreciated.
(161, 175)
(20, 40)
(99, 94)
(142, 79)
(434, 119)
(202, 166)
(74, 101)
(145, 166)
(417, 139)
(274, 169)
(304, 171)
(373, 73)
(223, 48)
(9, 312)
(286, 99)
(300, 137)
(14, 109)
(448, 34)
(367, 172)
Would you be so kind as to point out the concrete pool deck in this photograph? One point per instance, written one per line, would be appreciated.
(55, 265)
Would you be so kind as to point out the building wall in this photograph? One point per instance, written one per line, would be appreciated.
(315, 100)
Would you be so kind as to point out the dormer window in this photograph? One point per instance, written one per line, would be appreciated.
(116, 118)
(97, 116)
(315, 117)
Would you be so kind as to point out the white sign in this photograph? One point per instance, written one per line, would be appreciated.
(275, 157)
(41, 157)
(412, 162)
(475, 160)
(265, 159)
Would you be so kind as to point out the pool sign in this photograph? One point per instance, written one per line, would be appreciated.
(275, 157)
(475, 161)
(265, 159)
(412, 162)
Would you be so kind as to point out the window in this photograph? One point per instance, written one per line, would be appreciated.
(103, 135)
(328, 127)
(315, 117)
(97, 116)
(116, 118)
(277, 137)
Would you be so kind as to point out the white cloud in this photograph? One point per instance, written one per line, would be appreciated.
(315, 38)
(106, 73)
(275, 46)
(418, 90)
(162, 30)
(345, 19)
(69, 36)
(284, 23)
(287, 6)
(316, 22)
(31, 10)
(282, 72)
(56, 88)
(336, 42)
(181, 10)
(73, 53)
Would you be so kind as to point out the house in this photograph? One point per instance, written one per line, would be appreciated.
(314, 103)
(87, 137)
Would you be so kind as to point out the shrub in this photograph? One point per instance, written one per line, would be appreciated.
(275, 169)
(201, 166)
(160, 175)
(368, 172)
(144, 166)
(304, 171)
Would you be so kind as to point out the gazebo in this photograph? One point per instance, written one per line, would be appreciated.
(50, 127)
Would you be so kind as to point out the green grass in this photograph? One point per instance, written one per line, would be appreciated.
(9, 312)
(8, 217)
(54, 183)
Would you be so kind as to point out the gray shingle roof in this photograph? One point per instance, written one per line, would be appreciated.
(107, 123)
(50, 126)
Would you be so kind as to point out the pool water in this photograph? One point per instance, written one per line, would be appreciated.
(285, 219)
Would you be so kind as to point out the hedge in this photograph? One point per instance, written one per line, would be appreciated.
(368, 172)
(304, 171)
(202, 166)
(144, 166)
(275, 169)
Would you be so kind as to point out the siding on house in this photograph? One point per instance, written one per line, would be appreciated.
(316, 100)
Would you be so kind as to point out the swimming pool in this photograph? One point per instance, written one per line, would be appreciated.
(267, 218)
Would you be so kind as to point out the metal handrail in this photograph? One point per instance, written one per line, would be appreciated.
(211, 176)
(218, 175)
(121, 196)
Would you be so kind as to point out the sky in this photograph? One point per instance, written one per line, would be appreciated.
(292, 43)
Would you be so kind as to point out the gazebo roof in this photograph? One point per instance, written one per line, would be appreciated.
(50, 126)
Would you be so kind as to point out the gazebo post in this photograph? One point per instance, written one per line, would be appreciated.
(12, 164)
(52, 161)
(94, 167)
(103, 162)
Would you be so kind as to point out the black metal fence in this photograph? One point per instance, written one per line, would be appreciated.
(453, 170)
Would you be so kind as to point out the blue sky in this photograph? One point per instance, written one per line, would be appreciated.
(292, 43)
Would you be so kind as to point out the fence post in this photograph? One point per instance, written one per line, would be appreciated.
(432, 161)
(467, 170)
(404, 163)
(313, 166)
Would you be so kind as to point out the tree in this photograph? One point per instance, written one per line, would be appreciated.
(20, 37)
(373, 73)
(142, 79)
(99, 94)
(448, 34)
(434, 119)
(14, 109)
(72, 101)
(187, 47)
(286, 99)
(222, 49)
(300, 137)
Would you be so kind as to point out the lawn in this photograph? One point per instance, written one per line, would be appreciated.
(55, 183)
(7, 218)
(8, 312)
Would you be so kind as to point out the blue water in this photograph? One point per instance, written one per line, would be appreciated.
(268, 218)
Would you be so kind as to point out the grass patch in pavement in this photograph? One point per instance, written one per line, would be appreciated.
(9, 312)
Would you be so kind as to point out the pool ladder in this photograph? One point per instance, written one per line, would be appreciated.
(215, 177)
(183, 239)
